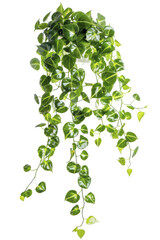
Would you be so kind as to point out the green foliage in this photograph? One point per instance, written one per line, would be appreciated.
(66, 38)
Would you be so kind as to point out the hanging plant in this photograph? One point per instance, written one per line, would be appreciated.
(63, 40)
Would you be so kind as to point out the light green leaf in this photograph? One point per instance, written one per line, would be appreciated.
(84, 155)
(41, 187)
(84, 129)
(91, 220)
(80, 233)
(101, 20)
(84, 182)
(83, 142)
(140, 115)
(73, 167)
(46, 17)
(27, 168)
(122, 161)
(129, 171)
(70, 31)
(98, 142)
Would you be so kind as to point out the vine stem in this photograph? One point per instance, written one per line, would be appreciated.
(82, 212)
(36, 170)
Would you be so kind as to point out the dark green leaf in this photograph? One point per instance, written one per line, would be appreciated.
(100, 128)
(58, 45)
(40, 125)
(136, 96)
(47, 165)
(84, 129)
(77, 50)
(72, 167)
(53, 142)
(40, 38)
(70, 31)
(72, 196)
(70, 85)
(51, 131)
(26, 193)
(44, 152)
(112, 116)
(44, 48)
(36, 98)
(107, 48)
(92, 35)
(84, 182)
(45, 80)
(75, 210)
(110, 128)
(84, 155)
(46, 17)
(46, 99)
(78, 74)
(68, 61)
(83, 21)
(85, 97)
(118, 64)
(41, 187)
(44, 109)
(131, 137)
(97, 91)
(56, 119)
(117, 95)
(98, 113)
(98, 142)
(58, 73)
(90, 198)
(109, 31)
(84, 172)
(56, 16)
(106, 99)
(69, 130)
(83, 142)
(27, 168)
(135, 151)
(87, 112)
(122, 143)
(35, 63)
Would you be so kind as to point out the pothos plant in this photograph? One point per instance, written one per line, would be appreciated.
(66, 37)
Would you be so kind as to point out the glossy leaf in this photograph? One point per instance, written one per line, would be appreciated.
(35, 63)
(26, 194)
(56, 16)
(84, 155)
(90, 198)
(72, 167)
(58, 73)
(46, 99)
(82, 20)
(84, 182)
(140, 115)
(84, 172)
(69, 130)
(69, 84)
(77, 50)
(87, 112)
(51, 130)
(83, 142)
(91, 220)
(41, 187)
(44, 48)
(97, 91)
(68, 61)
(27, 168)
(109, 31)
(131, 137)
(47, 165)
(56, 119)
(92, 35)
(53, 141)
(72, 196)
(70, 31)
(75, 210)
(45, 80)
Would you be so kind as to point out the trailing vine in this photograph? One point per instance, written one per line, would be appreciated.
(63, 40)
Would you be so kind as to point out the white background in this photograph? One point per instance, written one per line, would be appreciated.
(127, 207)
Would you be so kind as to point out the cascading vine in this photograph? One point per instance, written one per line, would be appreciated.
(67, 37)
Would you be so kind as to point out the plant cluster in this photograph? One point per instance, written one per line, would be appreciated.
(63, 39)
